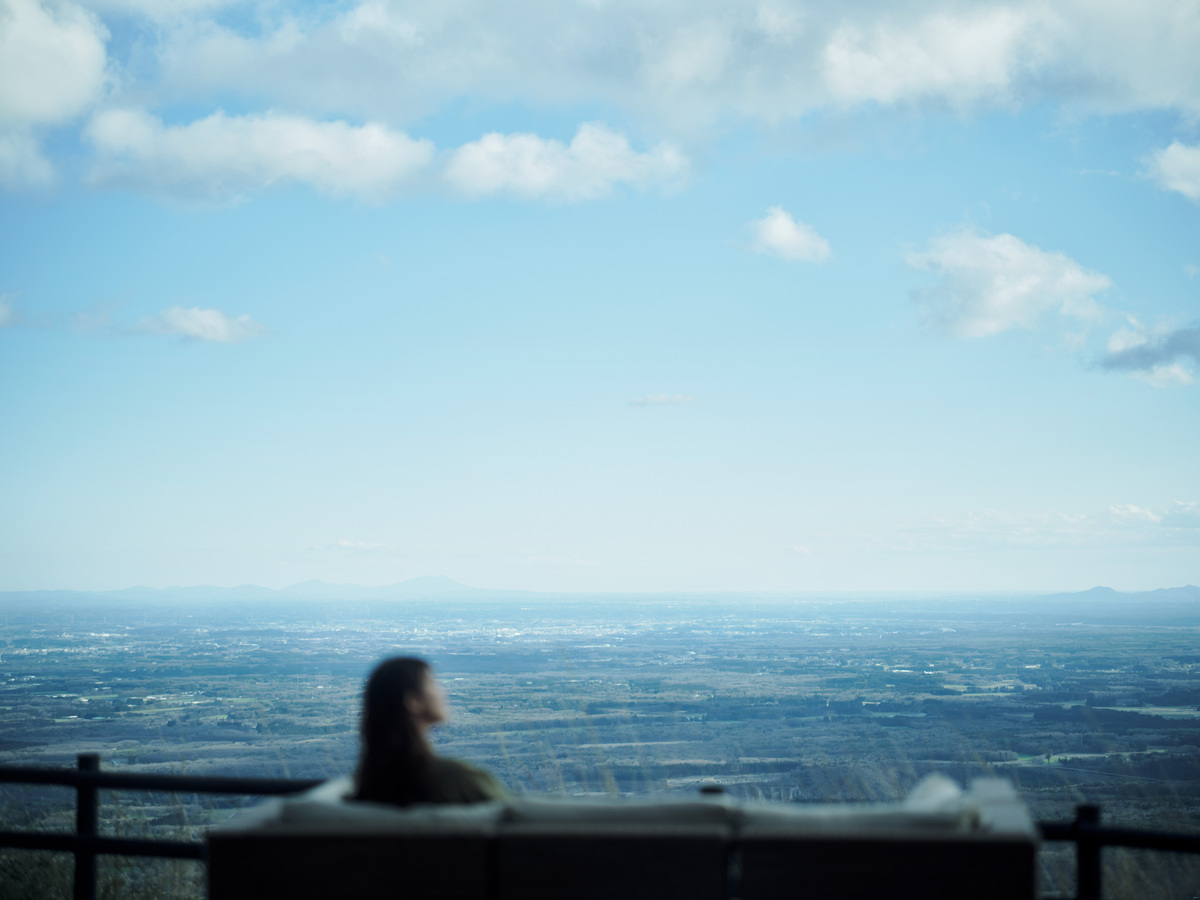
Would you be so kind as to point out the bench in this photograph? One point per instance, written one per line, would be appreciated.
(940, 842)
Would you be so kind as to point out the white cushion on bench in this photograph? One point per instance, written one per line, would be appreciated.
(936, 805)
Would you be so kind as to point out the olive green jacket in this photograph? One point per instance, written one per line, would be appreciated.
(455, 781)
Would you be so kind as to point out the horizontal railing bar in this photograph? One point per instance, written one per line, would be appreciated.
(70, 843)
(148, 781)
(1169, 841)
(1058, 831)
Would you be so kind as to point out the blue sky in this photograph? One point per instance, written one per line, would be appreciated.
(600, 296)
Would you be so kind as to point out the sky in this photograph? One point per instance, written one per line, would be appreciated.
(600, 295)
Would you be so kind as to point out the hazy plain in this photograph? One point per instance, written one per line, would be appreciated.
(791, 699)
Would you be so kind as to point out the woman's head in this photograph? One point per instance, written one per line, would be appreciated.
(401, 693)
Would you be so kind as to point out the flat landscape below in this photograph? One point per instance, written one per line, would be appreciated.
(783, 699)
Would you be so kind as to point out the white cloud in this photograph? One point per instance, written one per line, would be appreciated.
(8, 315)
(778, 234)
(1127, 513)
(961, 58)
(1118, 525)
(203, 325)
(676, 61)
(780, 21)
(990, 284)
(52, 61)
(687, 63)
(693, 55)
(221, 157)
(1155, 356)
(1168, 376)
(681, 66)
(1114, 56)
(1126, 338)
(52, 68)
(660, 400)
(1182, 514)
(529, 166)
(1177, 168)
(1191, 270)
(22, 164)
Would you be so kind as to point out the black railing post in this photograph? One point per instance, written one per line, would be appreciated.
(1087, 851)
(87, 818)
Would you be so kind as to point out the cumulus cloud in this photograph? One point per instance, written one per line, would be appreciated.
(529, 166)
(52, 68)
(684, 65)
(1157, 356)
(961, 58)
(202, 325)
(222, 157)
(1117, 525)
(660, 400)
(1128, 516)
(1127, 513)
(52, 61)
(22, 164)
(1177, 168)
(677, 61)
(990, 284)
(1182, 514)
(690, 62)
(1168, 376)
(778, 234)
(1110, 57)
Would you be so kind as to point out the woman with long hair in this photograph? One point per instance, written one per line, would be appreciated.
(401, 702)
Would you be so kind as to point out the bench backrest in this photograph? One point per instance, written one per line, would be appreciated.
(940, 843)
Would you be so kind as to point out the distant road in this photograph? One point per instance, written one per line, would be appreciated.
(1114, 774)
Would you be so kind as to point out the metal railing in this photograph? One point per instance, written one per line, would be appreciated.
(1085, 831)
(87, 780)
(1090, 838)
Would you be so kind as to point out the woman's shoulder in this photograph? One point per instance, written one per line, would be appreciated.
(456, 781)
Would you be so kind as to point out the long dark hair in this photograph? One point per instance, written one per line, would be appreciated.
(395, 761)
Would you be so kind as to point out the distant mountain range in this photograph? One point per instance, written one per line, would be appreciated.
(1098, 603)
(425, 586)
(1187, 593)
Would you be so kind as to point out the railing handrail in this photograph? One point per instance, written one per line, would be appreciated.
(152, 781)
(86, 843)
(69, 842)
(1142, 839)
(1085, 831)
